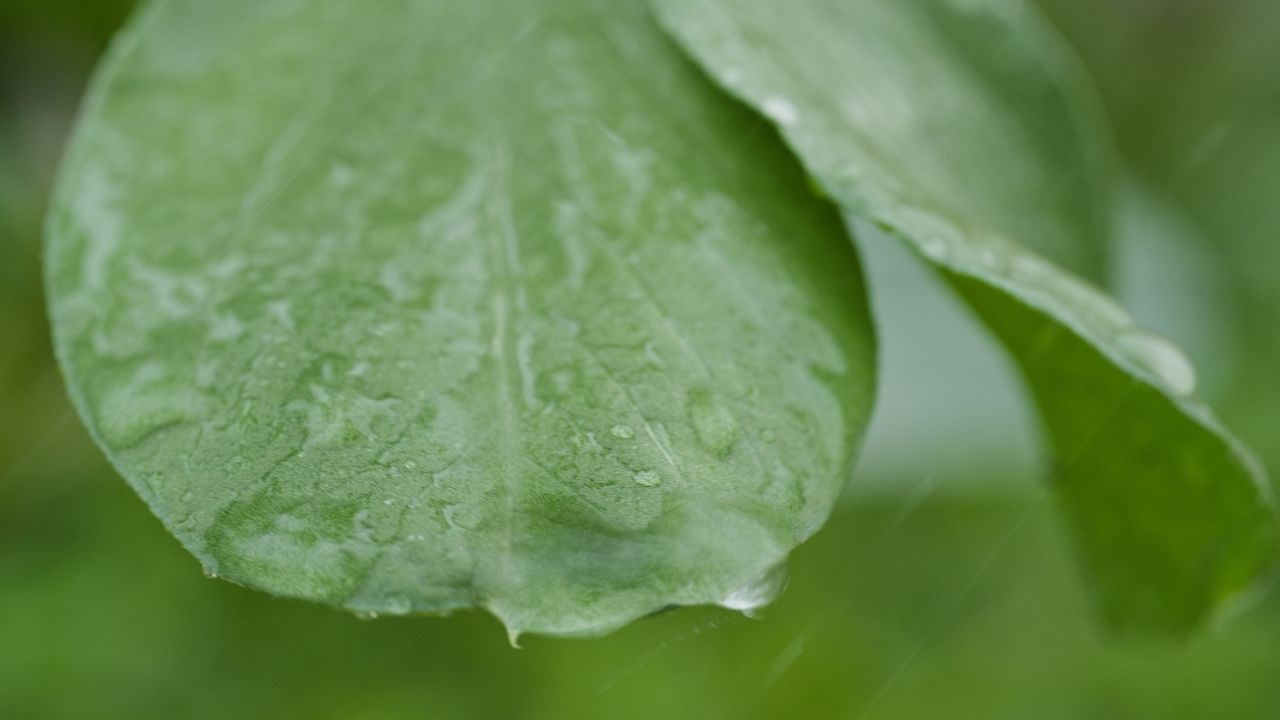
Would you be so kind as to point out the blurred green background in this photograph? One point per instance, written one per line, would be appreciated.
(941, 588)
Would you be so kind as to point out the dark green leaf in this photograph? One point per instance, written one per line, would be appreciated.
(955, 125)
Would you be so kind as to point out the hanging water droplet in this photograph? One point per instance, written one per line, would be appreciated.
(757, 592)
(623, 431)
(209, 572)
(365, 615)
(648, 478)
(1161, 358)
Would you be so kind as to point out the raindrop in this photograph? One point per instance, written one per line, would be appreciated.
(1161, 358)
(713, 423)
(780, 110)
(652, 357)
(934, 248)
(399, 605)
(757, 592)
(209, 572)
(623, 431)
(989, 259)
(365, 615)
(648, 478)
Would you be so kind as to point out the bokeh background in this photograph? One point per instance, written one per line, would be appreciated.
(941, 588)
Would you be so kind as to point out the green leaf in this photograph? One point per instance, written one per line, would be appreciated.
(955, 126)
(455, 303)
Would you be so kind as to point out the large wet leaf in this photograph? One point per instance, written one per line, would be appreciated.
(455, 303)
(953, 126)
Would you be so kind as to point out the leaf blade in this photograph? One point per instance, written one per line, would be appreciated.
(409, 324)
(1162, 559)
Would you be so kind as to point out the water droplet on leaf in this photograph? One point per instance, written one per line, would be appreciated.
(780, 110)
(757, 592)
(648, 478)
(714, 424)
(934, 248)
(1161, 358)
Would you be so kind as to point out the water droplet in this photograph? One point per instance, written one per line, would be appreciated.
(1161, 358)
(1099, 305)
(652, 357)
(648, 478)
(934, 248)
(623, 431)
(209, 572)
(780, 110)
(989, 259)
(563, 380)
(713, 423)
(757, 592)
(1081, 296)
(365, 615)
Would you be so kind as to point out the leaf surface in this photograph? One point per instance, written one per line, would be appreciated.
(958, 127)
(454, 304)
